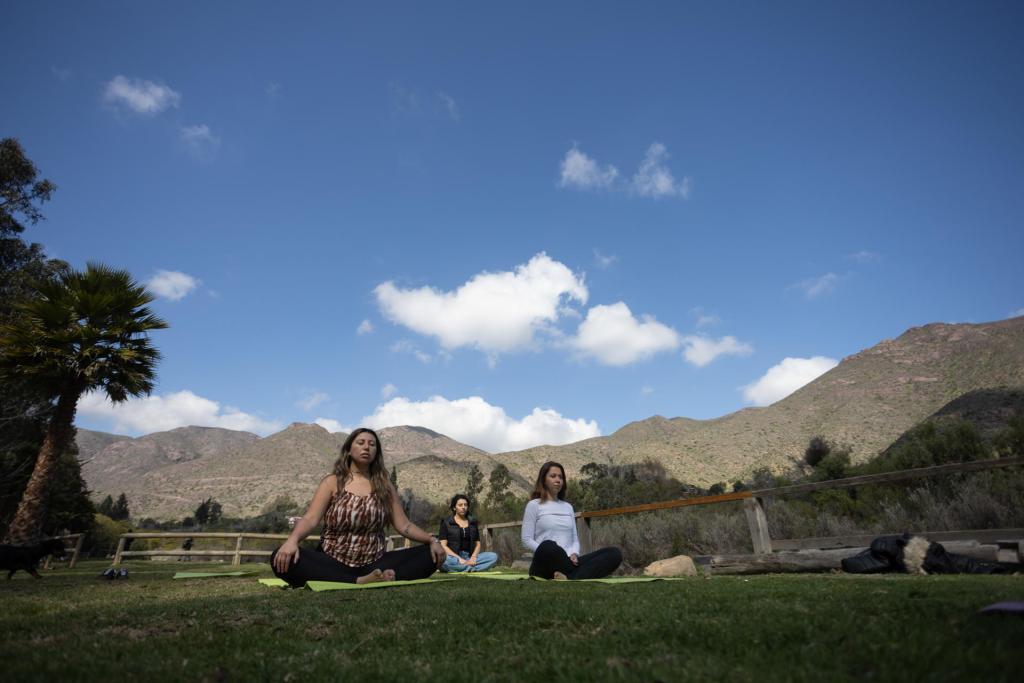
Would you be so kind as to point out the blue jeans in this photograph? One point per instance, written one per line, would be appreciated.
(484, 561)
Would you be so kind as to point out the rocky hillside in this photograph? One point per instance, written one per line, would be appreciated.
(867, 401)
(167, 474)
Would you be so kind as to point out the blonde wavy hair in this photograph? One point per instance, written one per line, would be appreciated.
(378, 473)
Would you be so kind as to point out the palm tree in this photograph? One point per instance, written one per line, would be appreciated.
(84, 331)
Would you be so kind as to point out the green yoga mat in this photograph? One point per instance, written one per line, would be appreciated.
(274, 583)
(490, 575)
(318, 586)
(214, 575)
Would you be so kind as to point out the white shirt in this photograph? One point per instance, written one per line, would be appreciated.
(555, 521)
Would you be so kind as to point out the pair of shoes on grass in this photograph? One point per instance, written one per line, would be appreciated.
(115, 573)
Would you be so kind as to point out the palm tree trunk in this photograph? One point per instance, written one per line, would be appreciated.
(27, 526)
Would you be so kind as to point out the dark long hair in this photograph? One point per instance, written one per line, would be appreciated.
(455, 501)
(378, 474)
(539, 491)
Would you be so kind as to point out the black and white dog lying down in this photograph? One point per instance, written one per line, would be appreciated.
(26, 557)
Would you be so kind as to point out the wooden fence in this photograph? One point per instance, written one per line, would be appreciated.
(236, 555)
(76, 549)
(757, 521)
(1010, 540)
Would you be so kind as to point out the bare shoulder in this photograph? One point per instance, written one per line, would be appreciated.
(328, 483)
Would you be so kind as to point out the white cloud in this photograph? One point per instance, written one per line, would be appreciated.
(202, 144)
(783, 379)
(172, 284)
(614, 337)
(493, 312)
(817, 286)
(365, 327)
(604, 260)
(142, 97)
(705, 319)
(388, 390)
(330, 425)
(313, 400)
(180, 409)
(654, 179)
(448, 105)
(701, 350)
(865, 257)
(582, 172)
(475, 422)
(1017, 313)
(647, 390)
(273, 89)
(60, 74)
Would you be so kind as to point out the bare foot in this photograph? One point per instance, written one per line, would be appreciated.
(377, 575)
(559, 576)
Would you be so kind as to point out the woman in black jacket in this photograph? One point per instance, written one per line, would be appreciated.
(460, 538)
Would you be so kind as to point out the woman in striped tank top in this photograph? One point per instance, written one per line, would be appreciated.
(356, 503)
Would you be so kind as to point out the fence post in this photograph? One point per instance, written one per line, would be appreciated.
(78, 550)
(488, 538)
(583, 533)
(237, 559)
(120, 549)
(758, 523)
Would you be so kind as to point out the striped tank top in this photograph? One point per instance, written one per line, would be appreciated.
(354, 528)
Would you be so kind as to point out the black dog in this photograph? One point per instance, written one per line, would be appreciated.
(15, 557)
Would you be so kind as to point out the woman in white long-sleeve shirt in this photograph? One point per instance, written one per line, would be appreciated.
(549, 530)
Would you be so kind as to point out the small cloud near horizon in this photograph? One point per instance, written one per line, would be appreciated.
(365, 327)
(160, 413)
(475, 422)
(784, 378)
(330, 425)
(702, 351)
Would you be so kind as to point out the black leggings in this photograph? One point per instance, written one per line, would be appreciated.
(549, 558)
(316, 565)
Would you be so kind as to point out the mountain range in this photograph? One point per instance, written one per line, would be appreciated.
(865, 402)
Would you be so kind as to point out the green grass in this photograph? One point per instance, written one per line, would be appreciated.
(73, 626)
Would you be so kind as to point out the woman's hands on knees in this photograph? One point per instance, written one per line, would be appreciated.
(286, 554)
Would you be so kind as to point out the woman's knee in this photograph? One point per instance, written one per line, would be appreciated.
(547, 548)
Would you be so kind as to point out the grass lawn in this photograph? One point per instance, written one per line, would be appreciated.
(73, 626)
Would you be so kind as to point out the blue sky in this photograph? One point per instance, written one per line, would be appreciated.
(528, 223)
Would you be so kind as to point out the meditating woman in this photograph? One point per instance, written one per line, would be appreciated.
(549, 530)
(460, 538)
(356, 502)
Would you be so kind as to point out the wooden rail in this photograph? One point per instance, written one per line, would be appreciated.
(752, 505)
(76, 550)
(757, 520)
(236, 555)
